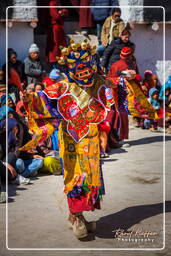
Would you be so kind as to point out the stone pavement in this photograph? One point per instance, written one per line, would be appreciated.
(133, 177)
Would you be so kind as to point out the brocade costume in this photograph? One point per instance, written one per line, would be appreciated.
(83, 101)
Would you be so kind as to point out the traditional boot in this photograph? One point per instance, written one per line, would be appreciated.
(77, 224)
(90, 225)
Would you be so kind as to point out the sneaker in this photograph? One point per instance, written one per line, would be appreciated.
(20, 180)
(160, 129)
(34, 174)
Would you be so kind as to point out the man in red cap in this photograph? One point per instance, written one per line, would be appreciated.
(118, 115)
(127, 62)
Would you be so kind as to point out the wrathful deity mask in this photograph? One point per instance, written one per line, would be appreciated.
(80, 63)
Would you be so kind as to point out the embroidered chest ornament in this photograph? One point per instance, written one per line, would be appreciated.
(83, 98)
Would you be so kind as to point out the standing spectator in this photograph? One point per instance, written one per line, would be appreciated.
(112, 27)
(100, 14)
(118, 116)
(32, 65)
(55, 33)
(86, 18)
(112, 52)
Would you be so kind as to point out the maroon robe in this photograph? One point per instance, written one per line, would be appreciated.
(86, 18)
(55, 34)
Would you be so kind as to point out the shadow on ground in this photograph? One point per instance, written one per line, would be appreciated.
(125, 219)
(148, 140)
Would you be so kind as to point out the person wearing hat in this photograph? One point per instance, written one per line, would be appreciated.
(112, 52)
(118, 115)
(126, 63)
(33, 68)
(54, 77)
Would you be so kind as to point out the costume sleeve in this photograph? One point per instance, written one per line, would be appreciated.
(107, 54)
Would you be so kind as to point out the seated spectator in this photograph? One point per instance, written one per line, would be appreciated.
(112, 52)
(13, 176)
(26, 164)
(54, 77)
(30, 88)
(20, 109)
(165, 90)
(2, 89)
(16, 64)
(51, 163)
(7, 100)
(38, 87)
(2, 76)
(165, 94)
(33, 68)
(154, 125)
(16, 76)
(150, 81)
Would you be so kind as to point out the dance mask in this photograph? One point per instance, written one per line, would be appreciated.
(80, 62)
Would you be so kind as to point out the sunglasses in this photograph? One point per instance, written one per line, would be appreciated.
(117, 16)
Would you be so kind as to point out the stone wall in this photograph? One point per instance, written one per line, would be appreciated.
(19, 14)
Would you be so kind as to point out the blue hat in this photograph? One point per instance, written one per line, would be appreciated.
(55, 73)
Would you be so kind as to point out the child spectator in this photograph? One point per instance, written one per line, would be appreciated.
(153, 125)
(54, 77)
(150, 81)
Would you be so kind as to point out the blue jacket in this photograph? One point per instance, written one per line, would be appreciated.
(154, 103)
(100, 14)
(165, 86)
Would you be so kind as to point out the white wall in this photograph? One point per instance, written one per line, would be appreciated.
(149, 45)
(149, 49)
(20, 36)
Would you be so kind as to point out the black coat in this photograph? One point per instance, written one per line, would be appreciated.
(112, 52)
